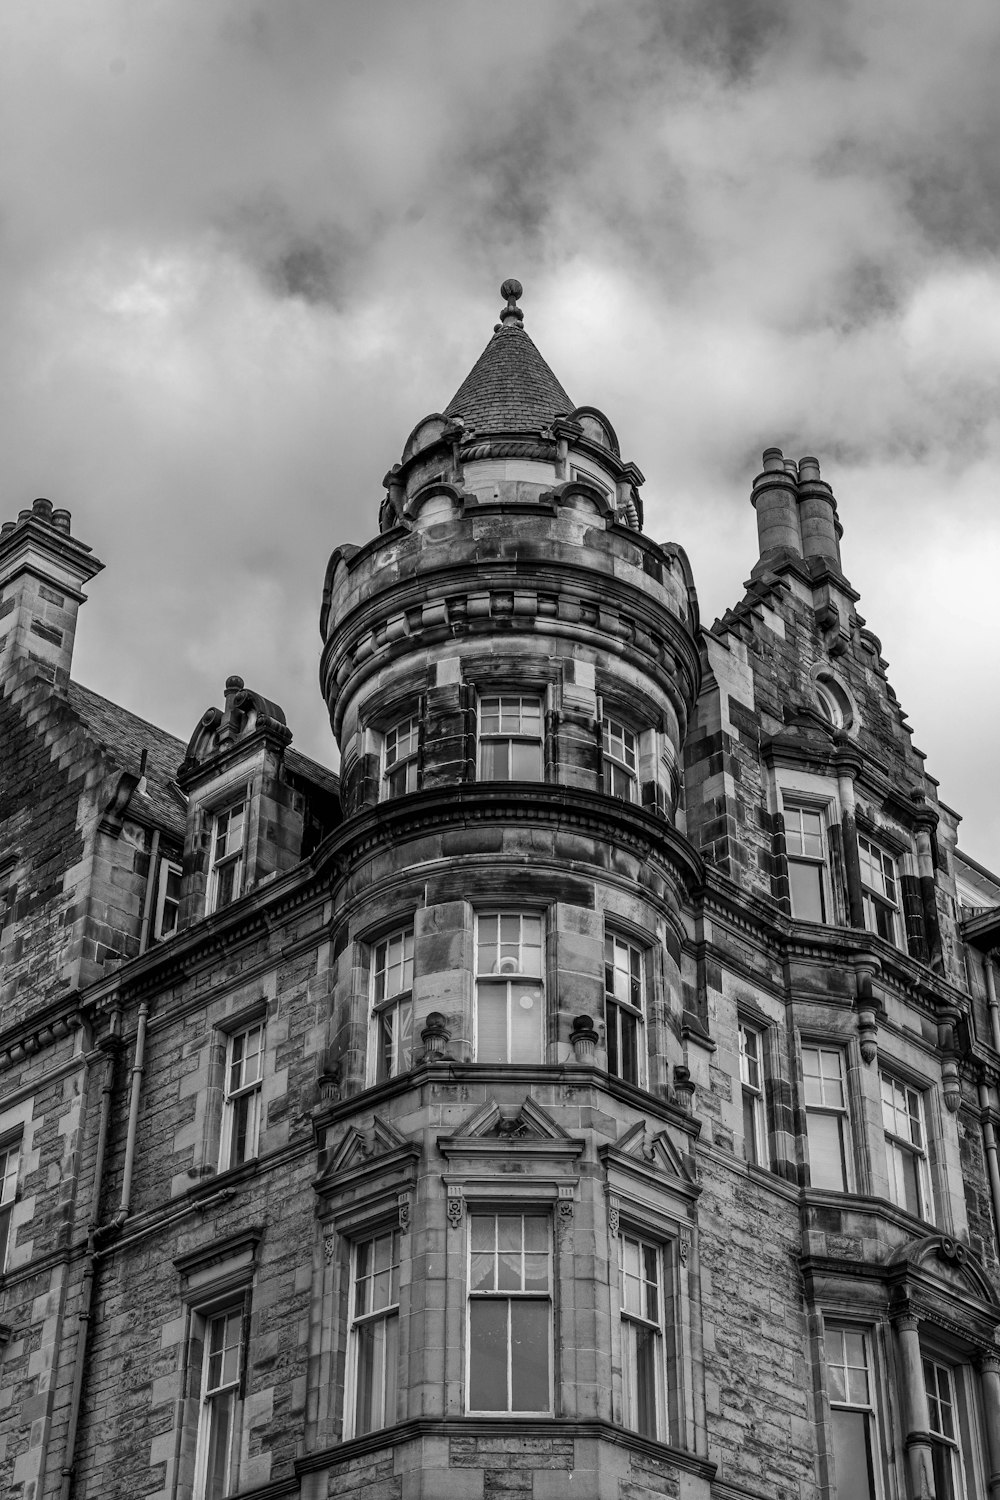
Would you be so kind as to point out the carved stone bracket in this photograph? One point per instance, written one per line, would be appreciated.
(614, 1216)
(403, 1204)
(456, 1206)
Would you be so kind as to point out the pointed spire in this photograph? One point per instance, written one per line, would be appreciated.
(510, 388)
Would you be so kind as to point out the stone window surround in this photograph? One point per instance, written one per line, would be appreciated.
(756, 1025)
(826, 807)
(366, 952)
(898, 1072)
(216, 1278)
(872, 1330)
(847, 1114)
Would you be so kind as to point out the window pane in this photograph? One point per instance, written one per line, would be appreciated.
(852, 1451)
(751, 1144)
(529, 1355)
(646, 1346)
(525, 761)
(491, 1024)
(219, 1445)
(526, 1025)
(826, 1152)
(806, 886)
(488, 1354)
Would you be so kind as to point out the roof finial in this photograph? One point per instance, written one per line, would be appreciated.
(511, 289)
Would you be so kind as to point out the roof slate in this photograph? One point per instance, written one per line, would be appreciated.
(125, 736)
(510, 388)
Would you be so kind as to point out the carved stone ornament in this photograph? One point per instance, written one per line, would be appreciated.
(614, 1218)
(404, 1212)
(329, 1248)
(456, 1203)
(684, 1248)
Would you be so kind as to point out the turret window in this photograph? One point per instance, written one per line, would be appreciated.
(510, 738)
(509, 988)
(625, 1009)
(392, 1006)
(879, 890)
(400, 752)
(620, 760)
(225, 880)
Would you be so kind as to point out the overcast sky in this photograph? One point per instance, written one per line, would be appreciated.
(244, 247)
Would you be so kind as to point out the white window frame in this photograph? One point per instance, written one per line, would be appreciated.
(513, 729)
(220, 1400)
(390, 1046)
(161, 931)
(242, 1093)
(904, 1125)
(645, 1410)
(829, 1101)
(619, 759)
(226, 861)
(512, 1296)
(752, 1042)
(10, 1167)
(801, 853)
(960, 1450)
(624, 1006)
(882, 872)
(373, 1333)
(401, 758)
(510, 979)
(852, 1388)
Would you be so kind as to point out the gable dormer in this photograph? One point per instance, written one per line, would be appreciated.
(245, 821)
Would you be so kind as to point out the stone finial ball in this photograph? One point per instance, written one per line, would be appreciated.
(512, 289)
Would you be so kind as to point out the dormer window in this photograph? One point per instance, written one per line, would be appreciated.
(225, 882)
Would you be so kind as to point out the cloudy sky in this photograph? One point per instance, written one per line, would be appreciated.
(244, 246)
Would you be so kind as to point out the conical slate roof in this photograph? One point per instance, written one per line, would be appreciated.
(510, 388)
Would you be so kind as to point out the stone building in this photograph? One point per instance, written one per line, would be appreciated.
(590, 1094)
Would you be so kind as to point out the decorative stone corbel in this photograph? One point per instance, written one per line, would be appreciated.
(867, 1005)
(948, 1042)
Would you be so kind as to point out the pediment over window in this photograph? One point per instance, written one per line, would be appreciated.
(526, 1131)
(362, 1161)
(245, 713)
(937, 1267)
(655, 1159)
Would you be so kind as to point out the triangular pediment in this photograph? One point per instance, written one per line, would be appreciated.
(530, 1122)
(357, 1148)
(653, 1152)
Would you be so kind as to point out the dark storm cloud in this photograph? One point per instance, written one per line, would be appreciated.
(245, 246)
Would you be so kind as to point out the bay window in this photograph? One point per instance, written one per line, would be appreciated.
(509, 1346)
